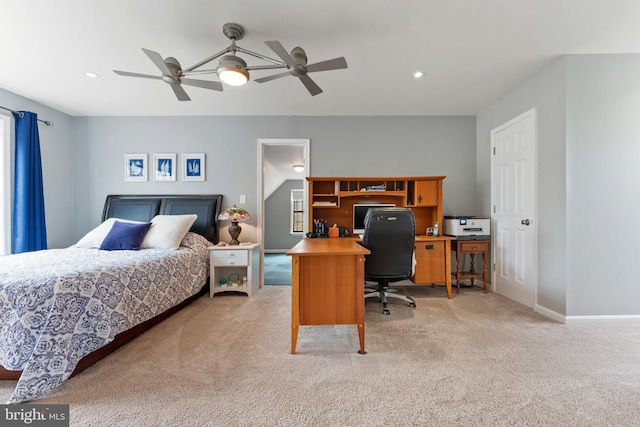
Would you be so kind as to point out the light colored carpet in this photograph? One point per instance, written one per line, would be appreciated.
(474, 360)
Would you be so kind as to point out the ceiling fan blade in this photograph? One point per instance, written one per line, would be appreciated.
(311, 86)
(180, 93)
(273, 77)
(205, 84)
(279, 50)
(128, 74)
(331, 64)
(157, 59)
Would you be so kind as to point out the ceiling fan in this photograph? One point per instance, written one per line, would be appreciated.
(172, 73)
(296, 62)
(234, 70)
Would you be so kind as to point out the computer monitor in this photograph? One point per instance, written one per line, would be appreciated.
(360, 211)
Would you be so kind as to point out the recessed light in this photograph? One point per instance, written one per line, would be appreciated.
(418, 74)
(92, 74)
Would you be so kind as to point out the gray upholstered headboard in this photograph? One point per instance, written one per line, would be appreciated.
(145, 207)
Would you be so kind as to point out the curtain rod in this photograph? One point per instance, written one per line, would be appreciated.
(46, 122)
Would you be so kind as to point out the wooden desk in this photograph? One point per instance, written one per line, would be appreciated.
(471, 247)
(433, 261)
(327, 284)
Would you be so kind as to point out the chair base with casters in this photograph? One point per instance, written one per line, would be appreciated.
(383, 292)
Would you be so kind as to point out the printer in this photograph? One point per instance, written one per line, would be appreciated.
(467, 227)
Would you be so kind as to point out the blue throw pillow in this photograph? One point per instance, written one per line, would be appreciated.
(125, 236)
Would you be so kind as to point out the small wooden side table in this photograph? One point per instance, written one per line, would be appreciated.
(471, 247)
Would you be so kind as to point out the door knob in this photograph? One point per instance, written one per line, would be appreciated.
(525, 222)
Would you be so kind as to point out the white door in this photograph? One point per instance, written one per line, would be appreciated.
(513, 208)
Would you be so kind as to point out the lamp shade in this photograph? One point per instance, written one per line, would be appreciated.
(234, 214)
(233, 70)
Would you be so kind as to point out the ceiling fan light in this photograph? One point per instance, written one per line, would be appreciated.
(233, 70)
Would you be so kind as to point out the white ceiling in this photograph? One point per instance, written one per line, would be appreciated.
(471, 51)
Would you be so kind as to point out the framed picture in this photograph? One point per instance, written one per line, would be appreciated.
(164, 167)
(135, 167)
(193, 167)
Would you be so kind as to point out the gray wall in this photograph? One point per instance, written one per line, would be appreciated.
(603, 149)
(340, 146)
(277, 211)
(57, 165)
(588, 133)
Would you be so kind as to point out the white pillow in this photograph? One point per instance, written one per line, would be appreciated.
(167, 231)
(94, 238)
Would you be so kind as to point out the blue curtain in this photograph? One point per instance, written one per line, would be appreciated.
(29, 229)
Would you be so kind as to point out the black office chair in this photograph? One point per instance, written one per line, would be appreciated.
(389, 234)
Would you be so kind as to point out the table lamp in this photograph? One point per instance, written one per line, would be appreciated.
(234, 214)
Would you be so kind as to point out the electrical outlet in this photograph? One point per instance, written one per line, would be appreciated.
(243, 199)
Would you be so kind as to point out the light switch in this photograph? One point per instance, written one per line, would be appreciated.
(243, 199)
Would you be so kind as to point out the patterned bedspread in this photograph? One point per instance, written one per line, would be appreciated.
(59, 305)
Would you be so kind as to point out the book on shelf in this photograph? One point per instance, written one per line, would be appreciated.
(322, 203)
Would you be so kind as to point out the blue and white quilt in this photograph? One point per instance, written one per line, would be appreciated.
(59, 305)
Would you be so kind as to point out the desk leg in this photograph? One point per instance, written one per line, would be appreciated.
(447, 266)
(360, 301)
(295, 301)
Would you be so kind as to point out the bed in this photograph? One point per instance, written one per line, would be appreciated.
(62, 310)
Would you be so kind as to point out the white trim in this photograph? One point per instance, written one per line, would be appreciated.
(5, 185)
(560, 318)
(626, 319)
(593, 320)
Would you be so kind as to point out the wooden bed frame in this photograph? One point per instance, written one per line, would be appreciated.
(144, 208)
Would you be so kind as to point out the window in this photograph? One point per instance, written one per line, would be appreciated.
(5, 199)
(297, 212)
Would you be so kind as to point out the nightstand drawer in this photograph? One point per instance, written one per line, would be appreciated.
(474, 246)
(236, 257)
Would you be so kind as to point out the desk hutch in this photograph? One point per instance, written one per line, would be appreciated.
(332, 198)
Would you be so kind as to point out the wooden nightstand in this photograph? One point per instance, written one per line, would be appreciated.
(230, 265)
(471, 247)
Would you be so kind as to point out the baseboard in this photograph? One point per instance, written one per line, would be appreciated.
(585, 320)
(607, 319)
(560, 318)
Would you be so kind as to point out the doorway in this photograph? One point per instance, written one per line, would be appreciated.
(281, 166)
(513, 201)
